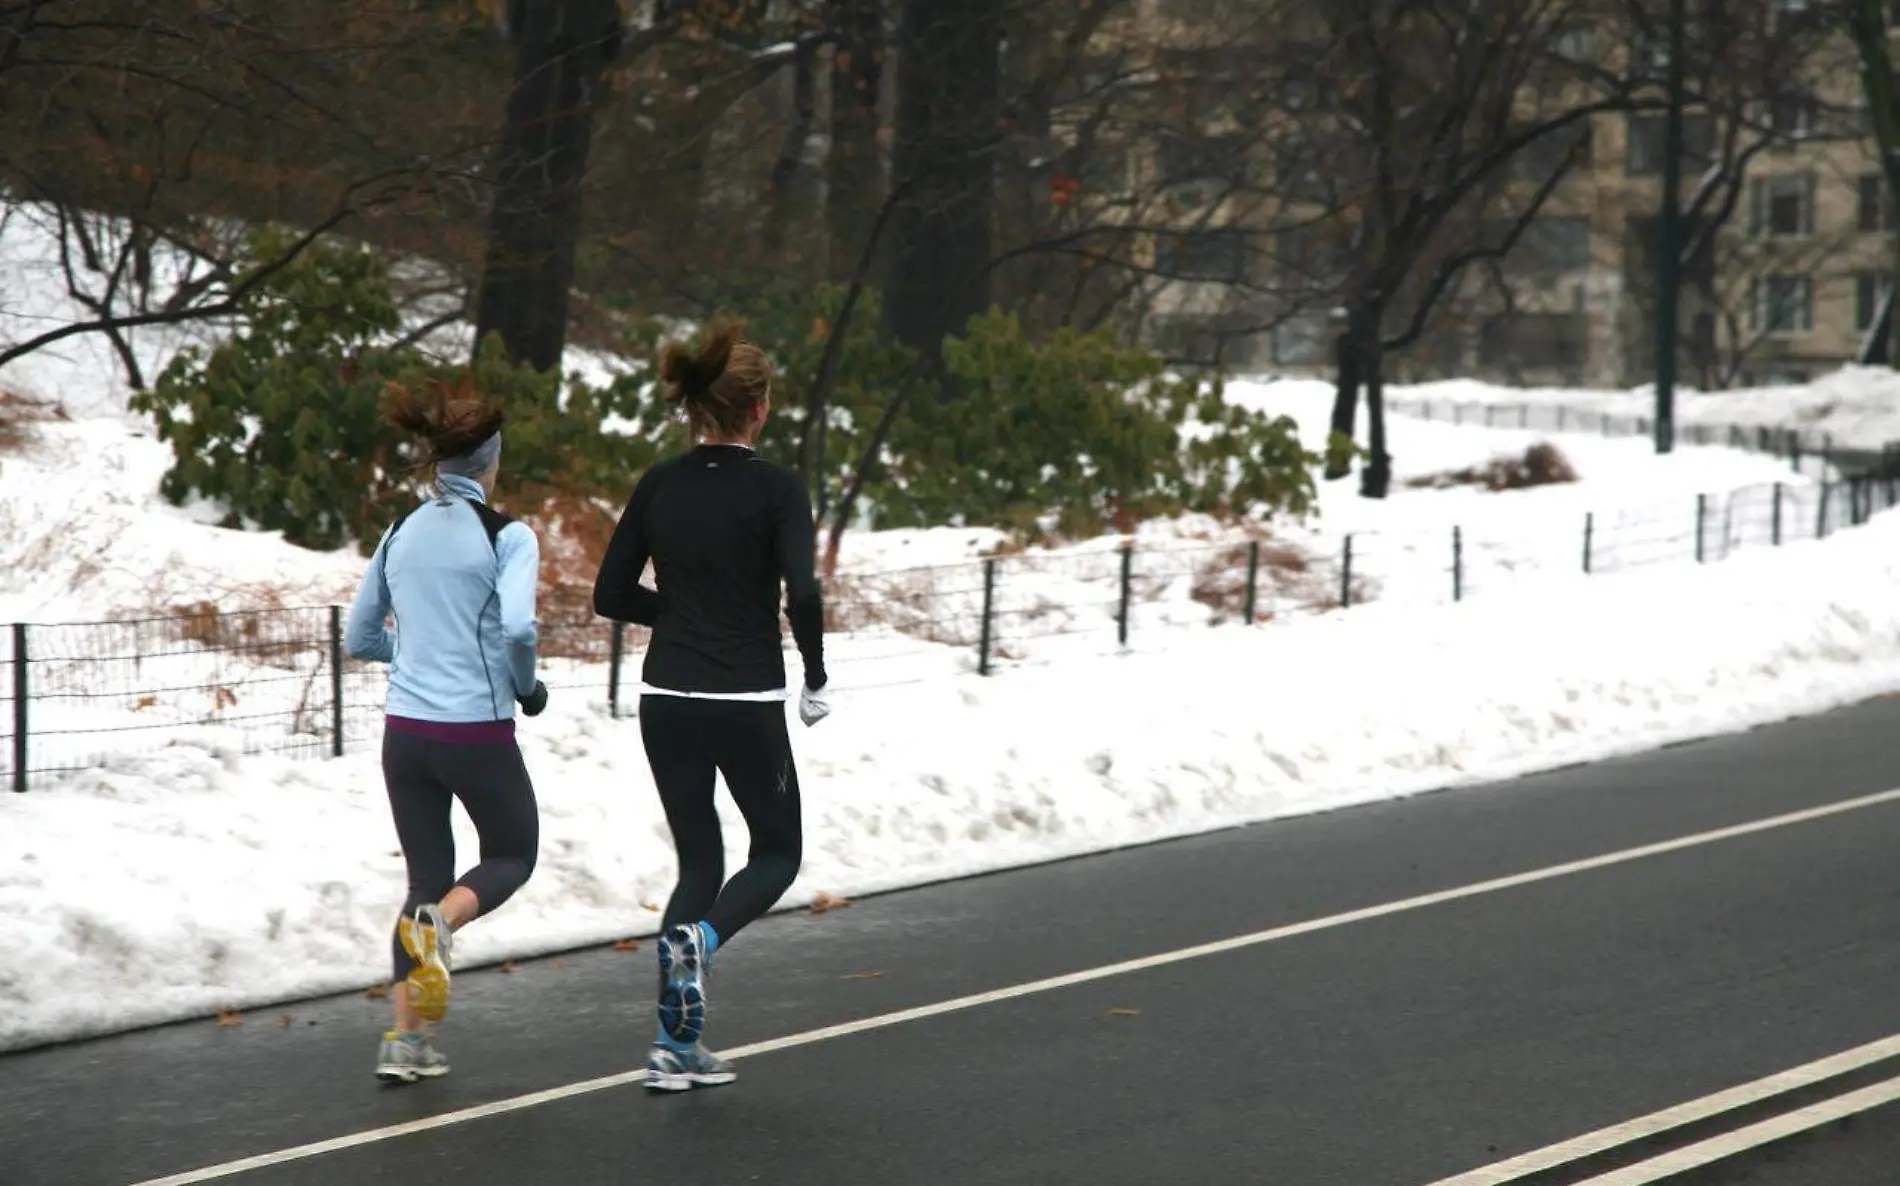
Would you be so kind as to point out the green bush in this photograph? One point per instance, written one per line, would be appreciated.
(1089, 431)
(282, 423)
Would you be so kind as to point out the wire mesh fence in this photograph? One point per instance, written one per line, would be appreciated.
(1805, 450)
(76, 695)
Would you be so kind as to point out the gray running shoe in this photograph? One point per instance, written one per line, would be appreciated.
(683, 1070)
(682, 983)
(404, 1061)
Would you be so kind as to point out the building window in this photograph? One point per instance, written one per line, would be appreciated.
(1780, 207)
(1875, 204)
(1218, 256)
(1792, 116)
(1781, 305)
(1646, 142)
(1535, 342)
(1870, 292)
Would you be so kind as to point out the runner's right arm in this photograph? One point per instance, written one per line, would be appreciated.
(368, 636)
(618, 593)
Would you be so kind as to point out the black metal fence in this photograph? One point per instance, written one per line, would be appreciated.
(76, 696)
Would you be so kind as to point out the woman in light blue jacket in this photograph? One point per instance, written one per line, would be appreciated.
(460, 579)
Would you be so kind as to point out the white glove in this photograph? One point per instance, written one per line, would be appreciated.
(813, 707)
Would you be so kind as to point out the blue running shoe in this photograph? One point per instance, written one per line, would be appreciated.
(682, 984)
(683, 1070)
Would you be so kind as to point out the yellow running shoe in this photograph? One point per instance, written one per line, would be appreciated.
(427, 939)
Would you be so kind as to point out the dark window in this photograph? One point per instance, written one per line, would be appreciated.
(1211, 255)
(1875, 205)
(1646, 142)
(1535, 342)
(1782, 206)
(1782, 305)
(1202, 158)
(1870, 289)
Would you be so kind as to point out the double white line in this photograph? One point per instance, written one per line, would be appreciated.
(1728, 1144)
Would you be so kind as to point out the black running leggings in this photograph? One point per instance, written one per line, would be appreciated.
(423, 775)
(745, 740)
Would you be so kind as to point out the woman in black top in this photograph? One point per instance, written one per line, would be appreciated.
(723, 528)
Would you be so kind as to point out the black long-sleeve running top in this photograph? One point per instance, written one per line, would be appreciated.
(723, 528)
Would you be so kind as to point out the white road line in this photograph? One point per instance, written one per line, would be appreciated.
(1679, 1116)
(976, 1000)
(1681, 1161)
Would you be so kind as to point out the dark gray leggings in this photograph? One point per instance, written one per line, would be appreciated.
(423, 775)
(687, 742)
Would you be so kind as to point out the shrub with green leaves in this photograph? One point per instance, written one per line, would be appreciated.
(282, 422)
(1087, 430)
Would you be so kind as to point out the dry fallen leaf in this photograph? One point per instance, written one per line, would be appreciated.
(649, 907)
(376, 992)
(507, 966)
(823, 902)
(284, 1022)
(227, 1018)
(864, 975)
(1124, 1013)
(627, 945)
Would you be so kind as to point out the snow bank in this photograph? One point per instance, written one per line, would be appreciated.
(194, 879)
(1853, 407)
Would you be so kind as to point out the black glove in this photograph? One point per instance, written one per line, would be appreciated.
(534, 701)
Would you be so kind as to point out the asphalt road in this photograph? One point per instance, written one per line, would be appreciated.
(1392, 1050)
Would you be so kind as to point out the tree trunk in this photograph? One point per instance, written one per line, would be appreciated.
(947, 109)
(1868, 22)
(1346, 358)
(854, 180)
(562, 49)
(1376, 479)
(782, 206)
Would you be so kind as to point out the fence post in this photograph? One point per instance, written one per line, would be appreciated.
(1777, 527)
(1701, 522)
(336, 681)
(1345, 576)
(1764, 440)
(989, 601)
(1457, 563)
(1128, 566)
(1794, 451)
(19, 706)
(616, 655)
(1820, 516)
(1253, 579)
(1589, 533)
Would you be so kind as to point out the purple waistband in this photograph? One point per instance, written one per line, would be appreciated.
(455, 732)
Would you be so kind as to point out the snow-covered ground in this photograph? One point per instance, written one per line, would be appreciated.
(1852, 408)
(178, 871)
(194, 878)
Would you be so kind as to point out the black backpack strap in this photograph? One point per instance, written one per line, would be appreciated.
(493, 521)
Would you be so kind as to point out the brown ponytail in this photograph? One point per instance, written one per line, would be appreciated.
(450, 419)
(720, 382)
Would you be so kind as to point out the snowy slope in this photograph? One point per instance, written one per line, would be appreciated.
(194, 879)
(1854, 407)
